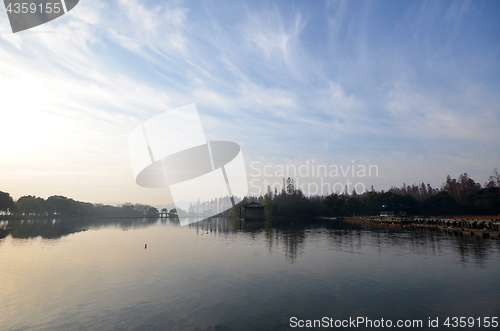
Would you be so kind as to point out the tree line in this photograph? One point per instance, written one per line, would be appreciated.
(60, 206)
(210, 207)
(460, 196)
(455, 197)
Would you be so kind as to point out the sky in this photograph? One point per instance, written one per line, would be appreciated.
(408, 87)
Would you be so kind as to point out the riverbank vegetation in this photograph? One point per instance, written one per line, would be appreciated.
(460, 196)
(59, 206)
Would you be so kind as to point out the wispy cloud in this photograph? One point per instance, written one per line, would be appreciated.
(332, 81)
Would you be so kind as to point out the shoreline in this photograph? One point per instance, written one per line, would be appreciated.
(474, 226)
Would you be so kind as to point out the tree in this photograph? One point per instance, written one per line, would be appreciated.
(290, 187)
(269, 194)
(336, 203)
(269, 207)
(62, 205)
(128, 209)
(180, 211)
(31, 205)
(6, 202)
(234, 210)
(494, 181)
(485, 201)
(441, 204)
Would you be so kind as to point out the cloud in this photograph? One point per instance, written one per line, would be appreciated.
(66, 111)
(429, 116)
(314, 81)
(141, 29)
(271, 35)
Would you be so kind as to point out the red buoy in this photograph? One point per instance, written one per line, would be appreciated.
(145, 246)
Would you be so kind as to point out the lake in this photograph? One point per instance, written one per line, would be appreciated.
(222, 274)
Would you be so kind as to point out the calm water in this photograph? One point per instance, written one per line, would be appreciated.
(219, 275)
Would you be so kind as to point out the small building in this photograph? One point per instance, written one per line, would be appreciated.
(396, 209)
(252, 211)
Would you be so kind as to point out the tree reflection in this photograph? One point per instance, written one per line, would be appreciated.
(57, 228)
(285, 234)
(4, 233)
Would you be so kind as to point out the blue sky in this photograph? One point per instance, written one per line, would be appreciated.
(409, 86)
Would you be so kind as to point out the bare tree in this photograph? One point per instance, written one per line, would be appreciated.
(494, 181)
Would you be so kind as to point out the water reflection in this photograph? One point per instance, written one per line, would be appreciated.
(225, 274)
(288, 235)
(57, 228)
(4, 233)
